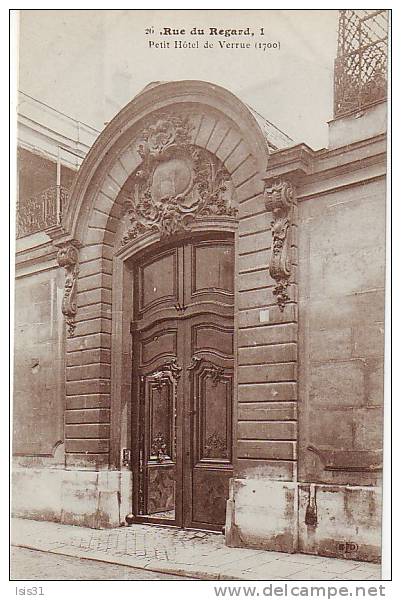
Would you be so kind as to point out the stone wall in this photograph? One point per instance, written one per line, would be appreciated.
(324, 496)
(341, 308)
(309, 355)
(38, 410)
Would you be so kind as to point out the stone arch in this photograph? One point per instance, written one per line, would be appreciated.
(223, 126)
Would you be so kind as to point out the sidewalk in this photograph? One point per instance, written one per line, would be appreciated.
(195, 554)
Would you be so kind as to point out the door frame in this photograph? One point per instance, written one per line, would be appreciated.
(121, 405)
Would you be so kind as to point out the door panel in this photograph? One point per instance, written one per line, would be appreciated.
(158, 441)
(210, 390)
(183, 365)
(158, 344)
(209, 268)
(210, 492)
(158, 281)
(213, 338)
(212, 398)
(155, 438)
(206, 278)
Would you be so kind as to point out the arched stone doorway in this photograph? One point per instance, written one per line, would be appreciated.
(182, 161)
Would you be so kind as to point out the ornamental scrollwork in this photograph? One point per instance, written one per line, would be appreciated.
(280, 200)
(215, 446)
(214, 372)
(176, 181)
(166, 376)
(68, 257)
(158, 449)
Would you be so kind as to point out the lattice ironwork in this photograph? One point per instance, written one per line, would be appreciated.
(36, 213)
(360, 76)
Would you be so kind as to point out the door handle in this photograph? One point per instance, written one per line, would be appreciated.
(179, 307)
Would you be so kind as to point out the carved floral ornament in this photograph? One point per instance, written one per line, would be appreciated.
(280, 200)
(68, 258)
(176, 181)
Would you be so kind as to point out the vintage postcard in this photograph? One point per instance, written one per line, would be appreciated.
(200, 296)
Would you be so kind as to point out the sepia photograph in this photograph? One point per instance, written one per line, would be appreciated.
(200, 295)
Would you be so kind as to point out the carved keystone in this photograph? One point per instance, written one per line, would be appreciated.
(280, 199)
(67, 257)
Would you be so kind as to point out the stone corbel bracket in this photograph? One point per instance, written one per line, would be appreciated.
(68, 258)
(280, 200)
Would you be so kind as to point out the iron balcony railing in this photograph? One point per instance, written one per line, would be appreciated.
(37, 213)
(360, 74)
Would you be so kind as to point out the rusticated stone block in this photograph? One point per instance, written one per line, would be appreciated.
(252, 206)
(244, 171)
(236, 157)
(110, 188)
(95, 266)
(254, 280)
(80, 372)
(267, 431)
(267, 354)
(89, 341)
(93, 326)
(94, 296)
(130, 159)
(94, 311)
(267, 334)
(269, 315)
(253, 224)
(267, 411)
(87, 431)
(85, 357)
(283, 450)
(273, 470)
(267, 373)
(206, 128)
(84, 446)
(219, 133)
(252, 242)
(255, 260)
(90, 386)
(88, 401)
(119, 173)
(103, 203)
(99, 236)
(93, 282)
(264, 392)
(88, 415)
(263, 297)
(251, 188)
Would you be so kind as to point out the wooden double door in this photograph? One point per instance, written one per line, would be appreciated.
(183, 374)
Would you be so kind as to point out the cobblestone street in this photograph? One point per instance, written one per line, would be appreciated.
(37, 565)
(181, 553)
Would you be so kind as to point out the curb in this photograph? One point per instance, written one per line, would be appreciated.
(183, 572)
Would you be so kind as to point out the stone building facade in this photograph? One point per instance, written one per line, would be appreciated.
(199, 330)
